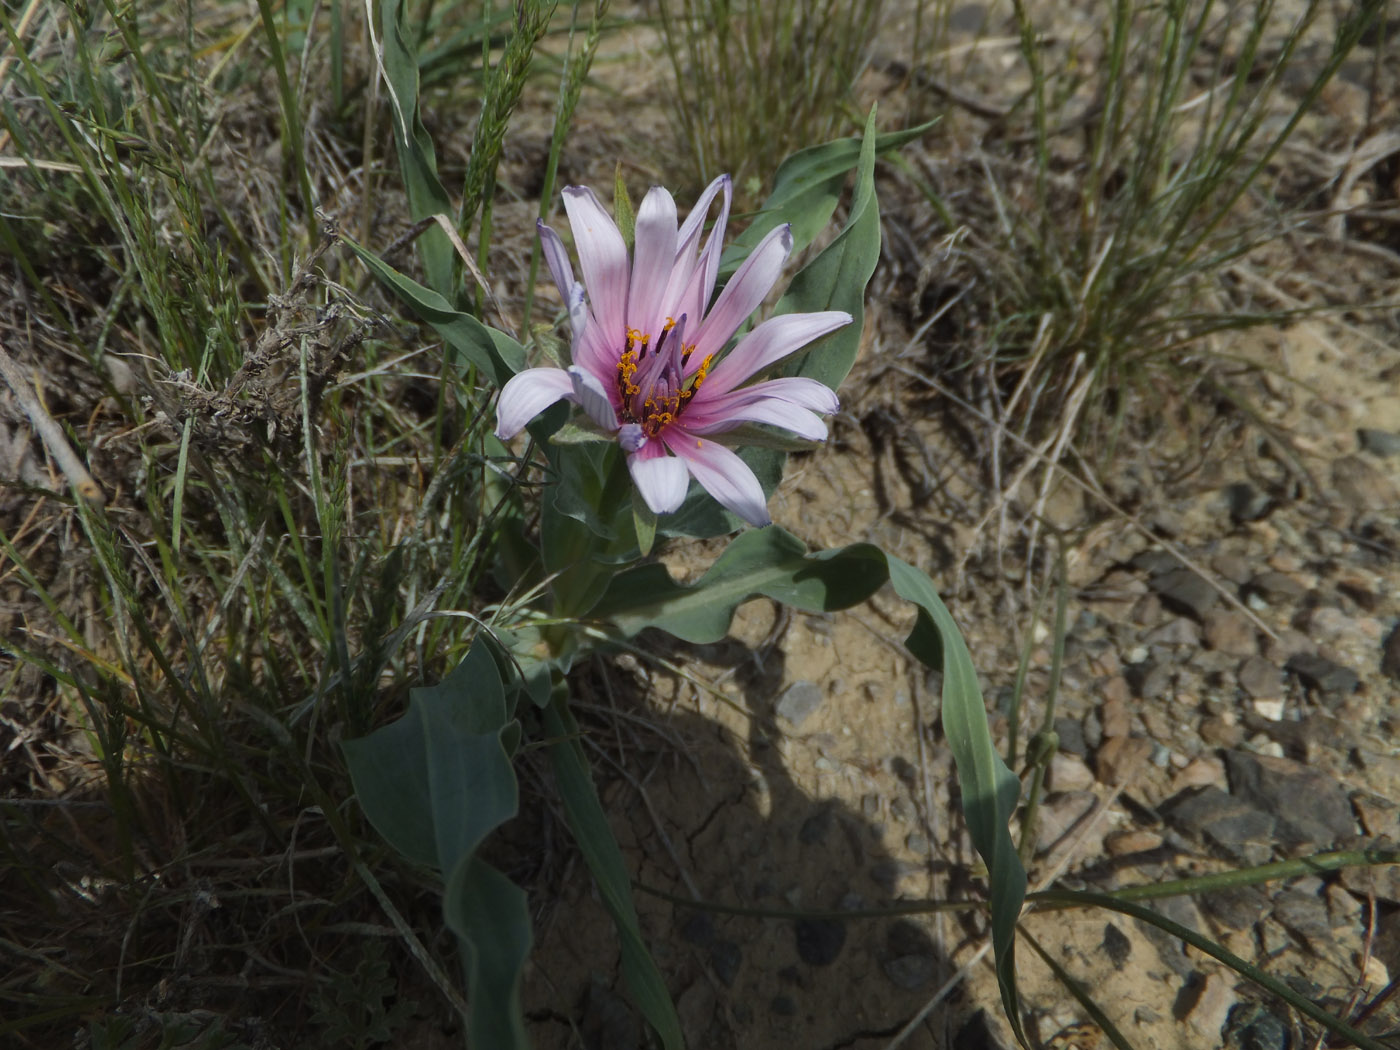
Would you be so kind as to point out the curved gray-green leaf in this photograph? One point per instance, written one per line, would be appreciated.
(775, 564)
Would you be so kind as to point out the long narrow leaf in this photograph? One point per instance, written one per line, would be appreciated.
(600, 851)
(494, 353)
(435, 784)
(417, 159)
(836, 278)
(807, 187)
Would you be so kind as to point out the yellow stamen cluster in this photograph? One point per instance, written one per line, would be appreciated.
(656, 412)
(626, 369)
(661, 412)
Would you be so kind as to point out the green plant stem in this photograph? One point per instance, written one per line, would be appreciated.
(1079, 992)
(1045, 738)
(890, 911)
(570, 88)
(294, 152)
(1284, 869)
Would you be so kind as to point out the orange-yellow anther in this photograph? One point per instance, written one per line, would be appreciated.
(700, 375)
(626, 369)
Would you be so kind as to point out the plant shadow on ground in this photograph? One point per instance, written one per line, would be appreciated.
(702, 813)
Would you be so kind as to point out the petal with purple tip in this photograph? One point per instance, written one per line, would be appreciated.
(744, 292)
(602, 255)
(693, 278)
(592, 396)
(807, 393)
(771, 410)
(766, 345)
(557, 257)
(631, 437)
(526, 395)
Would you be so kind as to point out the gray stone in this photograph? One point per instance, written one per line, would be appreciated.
(1071, 734)
(799, 702)
(1234, 567)
(1184, 591)
(1310, 808)
(725, 959)
(1210, 1007)
(1181, 911)
(1116, 945)
(1288, 645)
(1247, 503)
(1252, 1026)
(819, 941)
(1303, 914)
(1230, 631)
(1232, 825)
(1329, 624)
(1378, 442)
(1382, 882)
(1176, 631)
(1237, 908)
(1155, 563)
(1150, 681)
(1323, 675)
(1390, 654)
(1276, 587)
(909, 959)
(1260, 679)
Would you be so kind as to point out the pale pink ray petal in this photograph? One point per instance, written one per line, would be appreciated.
(592, 397)
(798, 390)
(526, 395)
(767, 344)
(693, 277)
(661, 479)
(602, 255)
(594, 351)
(723, 474)
(803, 422)
(557, 256)
(654, 255)
(694, 223)
(708, 268)
(743, 294)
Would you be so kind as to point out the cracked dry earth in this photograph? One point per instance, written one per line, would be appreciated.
(1230, 694)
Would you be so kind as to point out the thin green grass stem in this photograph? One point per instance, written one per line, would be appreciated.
(1046, 743)
(294, 152)
(576, 69)
(1318, 864)
(1080, 993)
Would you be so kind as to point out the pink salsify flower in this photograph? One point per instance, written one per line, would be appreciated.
(647, 349)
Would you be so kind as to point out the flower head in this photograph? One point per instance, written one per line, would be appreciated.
(648, 348)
